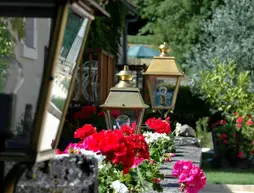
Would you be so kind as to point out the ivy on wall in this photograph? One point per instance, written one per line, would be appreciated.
(106, 32)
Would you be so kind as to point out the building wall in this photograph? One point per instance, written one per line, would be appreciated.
(32, 60)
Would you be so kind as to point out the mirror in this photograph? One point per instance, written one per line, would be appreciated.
(22, 48)
(73, 38)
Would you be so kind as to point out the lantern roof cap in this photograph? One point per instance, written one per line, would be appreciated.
(163, 65)
(124, 98)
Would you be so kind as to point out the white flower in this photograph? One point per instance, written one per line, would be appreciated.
(119, 187)
(152, 137)
(60, 156)
(97, 156)
(178, 128)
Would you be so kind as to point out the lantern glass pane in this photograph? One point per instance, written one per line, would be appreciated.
(121, 117)
(23, 54)
(73, 39)
(162, 90)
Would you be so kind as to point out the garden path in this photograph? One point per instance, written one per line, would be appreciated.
(186, 149)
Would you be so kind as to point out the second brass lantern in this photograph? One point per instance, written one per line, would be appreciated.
(127, 100)
(163, 80)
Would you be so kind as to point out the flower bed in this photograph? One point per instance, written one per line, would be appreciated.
(131, 162)
(233, 139)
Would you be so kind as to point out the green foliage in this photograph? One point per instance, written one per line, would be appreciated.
(159, 147)
(189, 108)
(18, 25)
(227, 36)
(202, 128)
(149, 39)
(107, 175)
(141, 179)
(106, 32)
(176, 22)
(225, 88)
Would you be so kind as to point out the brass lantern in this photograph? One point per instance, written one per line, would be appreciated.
(124, 104)
(41, 43)
(163, 80)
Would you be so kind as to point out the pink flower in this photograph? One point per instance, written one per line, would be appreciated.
(172, 154)
(137, 161)
(151, 161)
(238, 126)
(239, 120)
(249, 122)
(191, 177)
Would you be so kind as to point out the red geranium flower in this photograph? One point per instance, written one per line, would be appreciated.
(87, 111)
(114, 146)
(78, 115)
(239, 126)
(115, 113)
(156, 180)
(240, 154)
(84, 131)
(249, 122)
(101, 114)
(127, 130)
(58, 151)
(159, 125)
(239, 120)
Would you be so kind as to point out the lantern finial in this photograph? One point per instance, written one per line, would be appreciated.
(164, 49)
(125, 78)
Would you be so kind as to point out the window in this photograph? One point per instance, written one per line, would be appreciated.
(29, 45)
(29, 31)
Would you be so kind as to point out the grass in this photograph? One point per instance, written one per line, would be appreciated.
(227, 176)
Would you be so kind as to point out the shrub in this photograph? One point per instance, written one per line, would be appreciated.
(226, 89)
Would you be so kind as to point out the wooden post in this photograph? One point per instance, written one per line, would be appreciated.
(80, 79)
(90, 76)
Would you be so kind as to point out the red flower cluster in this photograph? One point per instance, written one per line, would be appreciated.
(239, 122)
(85, 131)
(159, 125)
(85, 112)
(224, 138)
(140, 147)
(118, 146)
(219, 122)
(127, 130)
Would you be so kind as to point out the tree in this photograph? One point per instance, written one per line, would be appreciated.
(7, 41)
(176, 22)
(228, 36)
